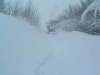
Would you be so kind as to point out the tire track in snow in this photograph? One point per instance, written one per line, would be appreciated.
(43, 63)
(49, 57)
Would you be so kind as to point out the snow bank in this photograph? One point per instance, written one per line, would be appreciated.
(28, 50)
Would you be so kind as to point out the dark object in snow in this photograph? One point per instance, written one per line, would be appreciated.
(50, 31)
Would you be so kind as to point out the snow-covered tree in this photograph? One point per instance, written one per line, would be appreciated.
(31, 14)
(17, 9)
(95, 5)
(9, 8)
(2, 6)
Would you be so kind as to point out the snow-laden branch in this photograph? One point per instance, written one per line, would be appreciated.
(95, 5)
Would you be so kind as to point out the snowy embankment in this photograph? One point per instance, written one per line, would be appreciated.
(28, 50)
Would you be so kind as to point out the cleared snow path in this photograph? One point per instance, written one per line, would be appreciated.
(73, 56)
(43, 68)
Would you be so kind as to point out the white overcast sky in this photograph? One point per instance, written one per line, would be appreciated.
(49, 9)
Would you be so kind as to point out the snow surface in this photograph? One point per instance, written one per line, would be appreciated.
(29, 50)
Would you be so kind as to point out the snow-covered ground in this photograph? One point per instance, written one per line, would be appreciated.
(29, 50)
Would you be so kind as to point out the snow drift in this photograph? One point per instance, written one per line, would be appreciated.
(28, 50)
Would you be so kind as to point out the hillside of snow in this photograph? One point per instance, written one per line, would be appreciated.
(29, 50)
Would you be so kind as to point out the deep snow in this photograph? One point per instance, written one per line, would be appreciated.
(29, 50)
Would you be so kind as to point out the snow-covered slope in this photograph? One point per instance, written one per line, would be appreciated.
(28, 50)
(22, 46)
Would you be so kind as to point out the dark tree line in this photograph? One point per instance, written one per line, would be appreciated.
(27, 12)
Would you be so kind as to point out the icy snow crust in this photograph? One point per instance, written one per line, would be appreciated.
(28, 50)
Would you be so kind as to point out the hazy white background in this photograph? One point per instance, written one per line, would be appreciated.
(49, 9)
